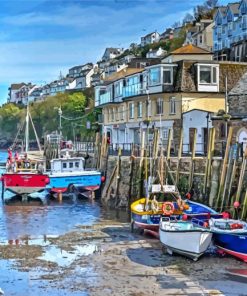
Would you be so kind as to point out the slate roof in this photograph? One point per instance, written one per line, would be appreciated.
(186, 75)
(190, 49)
(16, 86)
(241, 87)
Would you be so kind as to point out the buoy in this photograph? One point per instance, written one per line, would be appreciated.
(103, 179)
(236, 204)
(184, 217)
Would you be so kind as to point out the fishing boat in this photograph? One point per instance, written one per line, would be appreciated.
(24, 171)
(68, 172)
(146, 214)
(184, 238)
(230, 236)
(200, 211)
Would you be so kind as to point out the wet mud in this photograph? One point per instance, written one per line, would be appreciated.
(81, 249)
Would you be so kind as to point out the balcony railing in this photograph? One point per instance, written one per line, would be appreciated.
(105, 98)
(132, 90)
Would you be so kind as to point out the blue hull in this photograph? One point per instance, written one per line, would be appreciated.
(80, 181)
(196, 210)
(234, 244)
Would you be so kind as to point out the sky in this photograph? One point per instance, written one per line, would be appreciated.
(40, 38)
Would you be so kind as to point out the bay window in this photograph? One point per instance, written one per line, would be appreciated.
(154, 76)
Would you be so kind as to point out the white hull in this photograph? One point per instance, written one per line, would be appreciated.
(190, 243)
(23, 190)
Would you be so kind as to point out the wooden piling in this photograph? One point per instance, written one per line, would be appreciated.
(241, 177)
(224, 167)
(244, 209)
(180, 150)
(193, 153)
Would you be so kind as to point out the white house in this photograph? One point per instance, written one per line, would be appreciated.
(156, 53)
(111, 53)
(150, 38)
(82, 81)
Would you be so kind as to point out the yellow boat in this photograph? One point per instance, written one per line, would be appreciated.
(145, 214)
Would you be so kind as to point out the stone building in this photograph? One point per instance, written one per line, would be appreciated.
(179, 92)
(237, 110)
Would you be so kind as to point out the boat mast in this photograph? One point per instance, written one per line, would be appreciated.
(27, 130)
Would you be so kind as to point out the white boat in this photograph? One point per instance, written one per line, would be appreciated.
(184, 238)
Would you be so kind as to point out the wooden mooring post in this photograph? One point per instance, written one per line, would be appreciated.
(193, 152)
(224, 168)
(210, 151)
(180, 151)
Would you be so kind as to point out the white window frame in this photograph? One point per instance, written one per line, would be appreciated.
(168, 69)
(131, 110)
(172, 105)
(139, 109)
(159, 106)
(212, 74)
(160, 76)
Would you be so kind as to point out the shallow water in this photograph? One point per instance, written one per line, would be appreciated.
(35, 224)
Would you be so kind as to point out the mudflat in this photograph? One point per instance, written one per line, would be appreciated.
(107, 259)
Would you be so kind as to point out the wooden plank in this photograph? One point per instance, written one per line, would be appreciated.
(224, 167)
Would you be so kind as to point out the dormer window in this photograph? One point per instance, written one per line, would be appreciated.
(207, 74)
(208, 77)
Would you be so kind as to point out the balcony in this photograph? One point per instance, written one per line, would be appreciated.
(105, 98)
(132, 90)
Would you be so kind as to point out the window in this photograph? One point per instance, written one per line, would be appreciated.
(200, 39)
(122, 113)
(154, 76)
(207, 74)
(167, 75)
(131, 110)
(64, 165)
(139, 109)
(77, 164)
(159, 107)
(244, 22)
(223, 29)
(172, 103)
(165, 133)
(113, 114)
(222, 130)
(71, 165)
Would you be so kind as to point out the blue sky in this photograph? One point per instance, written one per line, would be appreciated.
(40, 38)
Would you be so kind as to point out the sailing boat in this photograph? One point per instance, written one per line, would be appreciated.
(24, 172)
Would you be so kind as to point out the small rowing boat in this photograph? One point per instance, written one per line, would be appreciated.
(184, 238)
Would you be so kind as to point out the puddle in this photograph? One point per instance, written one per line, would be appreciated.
(39, 241)
(64, 258)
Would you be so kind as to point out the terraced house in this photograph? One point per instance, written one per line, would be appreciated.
(230, 32)
(184, 90)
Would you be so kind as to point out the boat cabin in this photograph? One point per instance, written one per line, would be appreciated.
(63, 165)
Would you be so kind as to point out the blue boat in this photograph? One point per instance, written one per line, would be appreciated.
(230, 236)
(68, 172)
(200, 211)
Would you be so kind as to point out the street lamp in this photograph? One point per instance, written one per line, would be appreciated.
(60, 113)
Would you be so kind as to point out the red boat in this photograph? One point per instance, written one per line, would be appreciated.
(24, 182)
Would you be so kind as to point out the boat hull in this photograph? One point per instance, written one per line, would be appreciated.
(24, 183)
(83, 182)
(190, 243)
(233, 244)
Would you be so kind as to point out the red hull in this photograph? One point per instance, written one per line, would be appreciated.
(22, 183)
(150, 227)
(241, 256)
